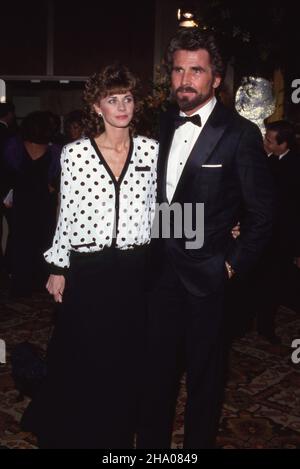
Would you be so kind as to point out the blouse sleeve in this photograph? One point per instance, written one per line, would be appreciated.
(58, 256)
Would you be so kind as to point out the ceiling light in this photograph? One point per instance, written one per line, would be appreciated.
(186, 18)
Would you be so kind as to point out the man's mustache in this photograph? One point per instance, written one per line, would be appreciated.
(185, 89)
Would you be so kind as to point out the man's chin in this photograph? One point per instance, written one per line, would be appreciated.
(186, 104)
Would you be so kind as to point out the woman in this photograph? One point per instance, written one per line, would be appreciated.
(74, 125)
(97, 260)
(31, 171)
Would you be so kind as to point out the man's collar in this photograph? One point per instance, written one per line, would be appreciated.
(283, 154)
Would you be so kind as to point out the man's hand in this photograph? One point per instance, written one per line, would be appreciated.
(56, 286)
(8, 199)
(7, 204)
(235, 232)
(230, 270)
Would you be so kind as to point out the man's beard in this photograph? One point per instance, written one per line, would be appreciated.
(185, 104)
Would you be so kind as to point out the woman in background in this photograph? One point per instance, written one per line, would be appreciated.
(32, 168)
(74, 125)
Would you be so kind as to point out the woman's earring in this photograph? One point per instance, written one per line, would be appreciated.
(100, 115)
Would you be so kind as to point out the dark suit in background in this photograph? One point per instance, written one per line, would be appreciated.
(7, 129)
(4, 135)
(276, 270)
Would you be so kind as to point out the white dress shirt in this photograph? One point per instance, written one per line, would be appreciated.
(97, 210)
(283, 154)
(183, 142)
(280, 156)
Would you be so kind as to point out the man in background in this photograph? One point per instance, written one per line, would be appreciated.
(277, 268)
(7, 129)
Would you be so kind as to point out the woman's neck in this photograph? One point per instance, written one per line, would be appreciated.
(116, 139)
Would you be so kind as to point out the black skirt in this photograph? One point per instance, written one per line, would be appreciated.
(95, 356)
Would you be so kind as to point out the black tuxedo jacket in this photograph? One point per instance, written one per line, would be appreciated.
(286, 174)
(4, 135)
(227, 171)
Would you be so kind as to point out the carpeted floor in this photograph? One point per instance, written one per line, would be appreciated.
(262, 402)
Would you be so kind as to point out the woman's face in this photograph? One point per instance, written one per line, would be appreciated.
(117, 110)
(75, 131)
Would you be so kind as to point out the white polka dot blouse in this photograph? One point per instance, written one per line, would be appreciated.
(98, 210)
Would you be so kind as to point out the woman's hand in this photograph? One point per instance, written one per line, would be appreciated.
(56, 286)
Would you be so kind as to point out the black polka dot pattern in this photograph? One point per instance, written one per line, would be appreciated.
(89, 197)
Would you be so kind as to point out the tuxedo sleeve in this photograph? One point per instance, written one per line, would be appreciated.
(257, 200)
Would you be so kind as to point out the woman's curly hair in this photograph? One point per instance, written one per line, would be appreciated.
(113, 79)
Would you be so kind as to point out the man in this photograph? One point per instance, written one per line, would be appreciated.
(277, 268)
(221, 164)
(7, 117)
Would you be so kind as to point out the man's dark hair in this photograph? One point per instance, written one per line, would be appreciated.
(5, 108)
(285, 132)
(193, 39)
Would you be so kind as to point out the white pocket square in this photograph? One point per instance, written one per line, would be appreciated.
(212, 166)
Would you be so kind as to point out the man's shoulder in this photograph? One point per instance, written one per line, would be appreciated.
(243, 126)
(292, 159)
(232, 114)
(294, 154)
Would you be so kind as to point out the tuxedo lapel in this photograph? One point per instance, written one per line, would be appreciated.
(205, 144)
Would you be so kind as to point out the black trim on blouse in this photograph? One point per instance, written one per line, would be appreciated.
(117, 182)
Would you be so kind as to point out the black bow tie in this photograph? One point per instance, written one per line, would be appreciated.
(180, 120)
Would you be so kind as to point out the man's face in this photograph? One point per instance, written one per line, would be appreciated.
(271, 145)
(193, 83)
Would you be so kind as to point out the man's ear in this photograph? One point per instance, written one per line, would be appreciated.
(216, 82)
